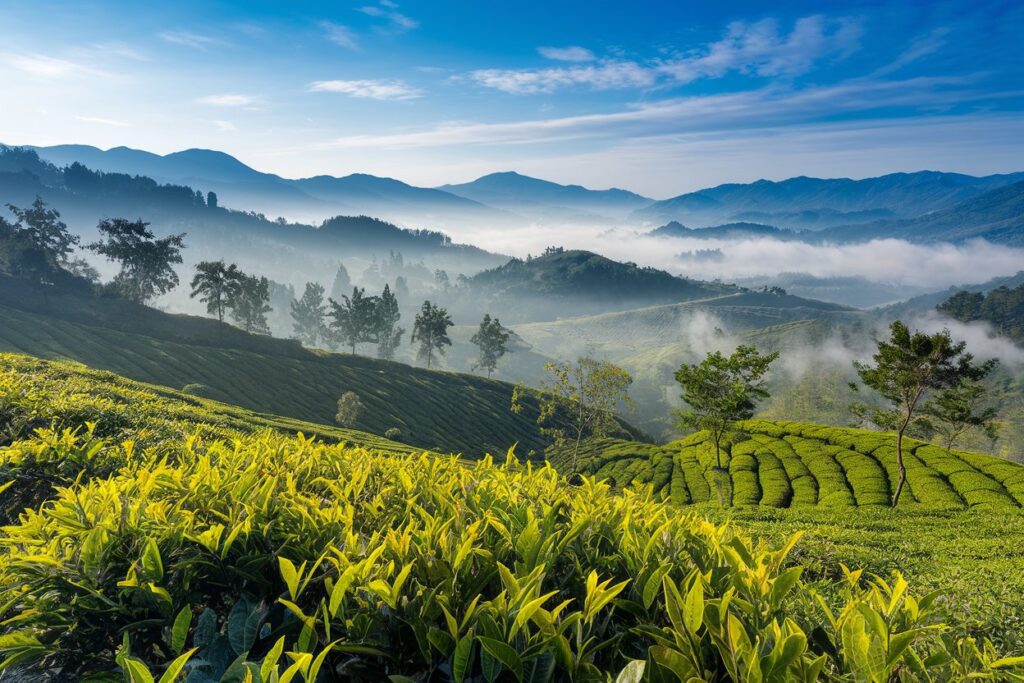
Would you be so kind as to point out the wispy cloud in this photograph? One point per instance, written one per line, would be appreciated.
(767, 106)
(103, 122)
(573, 53)
(369, 89)
(389, 11)
(339, 34)
(224, 126)
(759, 49)
(919, 47)
(197, 41)
(44, 66)
(229, 100)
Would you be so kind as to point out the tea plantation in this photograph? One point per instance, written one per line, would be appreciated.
(175, 537)
(793, 464)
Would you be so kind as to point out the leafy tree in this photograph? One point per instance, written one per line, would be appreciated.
(211, 200)
(350, 407)
(308, 314)
(44, 228)
(579, 399)
(430, 329)
(955, 411)
(355, 319)
(389, 335)
(147, 263)
(342, 283)
(721, 390)
(492, 340)
(214, 283)
(1002, 307)
(249, 303)
(909, 369)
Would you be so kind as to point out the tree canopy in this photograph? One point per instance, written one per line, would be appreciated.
(147, 263)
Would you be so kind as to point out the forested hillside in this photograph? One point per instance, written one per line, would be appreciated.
(1002, 308)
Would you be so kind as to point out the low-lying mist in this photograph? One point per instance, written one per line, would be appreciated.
(891, 261)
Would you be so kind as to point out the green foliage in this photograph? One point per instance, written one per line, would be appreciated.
(494, 571)
(492, 340)
(308, 314)
(958, 409)
(430, 329)
(1002, 307)
(349, 409)
(45, 230)
(354, 319)
(249, 301)
(215, 284)
(721, 390)
(909, 369)
(147, 263)
(579, 400)
(386, 317)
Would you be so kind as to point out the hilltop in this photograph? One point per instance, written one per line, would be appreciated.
(563, 282)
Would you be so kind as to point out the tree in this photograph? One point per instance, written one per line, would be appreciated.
(579, 399)
(43, 227)
(308, 314)
(719, 391)
(959, 409)
(342, 283)
(147, 263)
(441, 279)
(249, 303)
(389, 335)
(354, 319)
(492, 340)
(349, 409)
(909, 369)
(401, 287)
(211, 200)
(214, 283)
(430, 329)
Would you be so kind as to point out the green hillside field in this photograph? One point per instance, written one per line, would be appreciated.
(795, 464)
(443, 411)
(180, 525)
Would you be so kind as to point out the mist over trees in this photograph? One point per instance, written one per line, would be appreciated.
(309, 314)
(430, 329)
(215, 284)
(491, 338)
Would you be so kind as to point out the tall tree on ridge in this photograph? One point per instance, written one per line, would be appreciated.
(430, 329)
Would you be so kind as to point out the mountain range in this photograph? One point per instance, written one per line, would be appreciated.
(924, 206)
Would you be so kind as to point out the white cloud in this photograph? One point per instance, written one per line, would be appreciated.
(225, 126)
(573, 53)
(368, 89)
(758, 48)
(44, 66)
(340, 34)
(607, 75)
(103, 121)
(228, 100)
(196, 41)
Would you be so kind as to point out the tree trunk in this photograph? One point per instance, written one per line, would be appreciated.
(899, 464)
(576, 451)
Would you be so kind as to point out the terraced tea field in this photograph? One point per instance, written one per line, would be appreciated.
(793, 464)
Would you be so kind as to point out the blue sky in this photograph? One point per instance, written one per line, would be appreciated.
(656, 97)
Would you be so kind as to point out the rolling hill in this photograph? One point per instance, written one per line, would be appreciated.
(835, 201)
(565, 283)
(792, 464)
(435, 410)
(726, 231)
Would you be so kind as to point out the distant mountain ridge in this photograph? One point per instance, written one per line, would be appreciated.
(516, 192)
(905, 195)
(996, 215)
(240, 186)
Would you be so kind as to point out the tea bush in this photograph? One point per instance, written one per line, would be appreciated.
(251, 558)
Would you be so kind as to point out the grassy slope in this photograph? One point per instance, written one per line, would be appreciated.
(434, 410)
(37, 394)
(792, 464)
